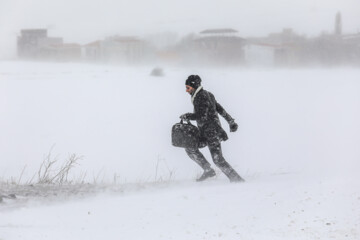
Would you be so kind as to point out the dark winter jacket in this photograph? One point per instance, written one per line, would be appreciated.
(206, 111)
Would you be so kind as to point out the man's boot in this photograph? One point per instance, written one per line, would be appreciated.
(208, 173)
(234, 176)
(231, 173)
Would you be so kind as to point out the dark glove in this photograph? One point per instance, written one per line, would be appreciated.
(233, 126)
(185, 117)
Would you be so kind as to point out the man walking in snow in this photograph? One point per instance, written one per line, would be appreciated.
(206, 111)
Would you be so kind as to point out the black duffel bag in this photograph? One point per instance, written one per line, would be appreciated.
(185, 135)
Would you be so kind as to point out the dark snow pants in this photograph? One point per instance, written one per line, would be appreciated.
(216, 154)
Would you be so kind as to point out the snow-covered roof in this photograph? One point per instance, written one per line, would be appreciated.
(219, 31)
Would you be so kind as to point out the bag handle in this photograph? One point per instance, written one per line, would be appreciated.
(188, 121)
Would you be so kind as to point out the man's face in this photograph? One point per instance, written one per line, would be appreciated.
(189, 89)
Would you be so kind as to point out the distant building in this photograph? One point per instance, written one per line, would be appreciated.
(68, 52)
(120, 49)
(336, 48)
(222, 47)
(93, 51)
(216, 46)
(277, 49)
(351, 47)
(32, 43)
(338, 24)
(260, 54)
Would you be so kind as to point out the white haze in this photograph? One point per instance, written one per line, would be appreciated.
(120, 119)
(297, 147)
(85, 21)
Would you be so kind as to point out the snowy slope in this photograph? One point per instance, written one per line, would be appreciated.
(297, 147)
(287, 206)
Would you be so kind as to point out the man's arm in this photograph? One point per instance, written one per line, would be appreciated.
(188, 116)
(228, 118)
(223, 113)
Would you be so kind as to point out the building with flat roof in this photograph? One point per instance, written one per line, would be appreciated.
(32, 43)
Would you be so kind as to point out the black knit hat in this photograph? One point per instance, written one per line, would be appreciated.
(193, 81)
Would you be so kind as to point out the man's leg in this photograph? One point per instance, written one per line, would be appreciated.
(219, 160)
(199, 158)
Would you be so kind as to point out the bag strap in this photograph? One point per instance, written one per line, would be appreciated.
(188, 122)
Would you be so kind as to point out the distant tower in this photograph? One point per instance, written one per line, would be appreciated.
(338, 24)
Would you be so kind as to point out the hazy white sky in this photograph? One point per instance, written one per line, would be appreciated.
(87, 20)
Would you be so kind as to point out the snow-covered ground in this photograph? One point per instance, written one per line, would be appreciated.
(297, 147)
(285, 206)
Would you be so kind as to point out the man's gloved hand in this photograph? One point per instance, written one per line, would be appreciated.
(185, 116)
(233, 126)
